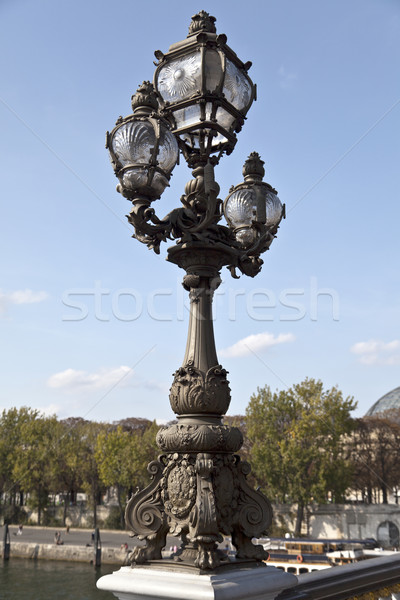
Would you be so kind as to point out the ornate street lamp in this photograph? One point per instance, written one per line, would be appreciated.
(200, 97)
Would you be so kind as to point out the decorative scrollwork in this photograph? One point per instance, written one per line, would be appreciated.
(144, 514)
(199, 496)
(200, 212)
(145, 518)
(198, 221)
(253, 516)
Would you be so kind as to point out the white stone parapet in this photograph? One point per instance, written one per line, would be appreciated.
(149, 583)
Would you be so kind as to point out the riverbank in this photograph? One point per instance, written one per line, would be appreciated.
(77, 545)
(109, 556)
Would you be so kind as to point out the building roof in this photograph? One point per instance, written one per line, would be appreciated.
(389, 400)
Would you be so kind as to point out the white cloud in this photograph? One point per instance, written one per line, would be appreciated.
(20, 297)
(72, 379)
(27, 296)
(256, 343)
(377, 352)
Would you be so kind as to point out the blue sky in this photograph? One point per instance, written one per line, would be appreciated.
(92, 323)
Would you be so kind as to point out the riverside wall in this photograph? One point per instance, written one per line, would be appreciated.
(343, 520)
(112, 556)
(355, 521)
(77, 516)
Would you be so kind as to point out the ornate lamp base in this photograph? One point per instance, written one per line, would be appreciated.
(198, 497)
(236, 583)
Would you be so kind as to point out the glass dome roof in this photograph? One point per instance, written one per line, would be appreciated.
(388, 401)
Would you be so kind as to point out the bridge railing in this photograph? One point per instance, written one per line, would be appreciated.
(369, 579)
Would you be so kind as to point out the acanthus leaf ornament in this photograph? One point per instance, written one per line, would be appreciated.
(194, 391)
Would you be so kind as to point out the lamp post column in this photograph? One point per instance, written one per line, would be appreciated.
(199, 491)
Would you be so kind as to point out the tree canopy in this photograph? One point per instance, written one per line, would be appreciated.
(41, 457)
(296, 439)
(122, 455)
(302, 443)
(374, 450)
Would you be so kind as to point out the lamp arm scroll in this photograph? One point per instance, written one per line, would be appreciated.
(197, 218)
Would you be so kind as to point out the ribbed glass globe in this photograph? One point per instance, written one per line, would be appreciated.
(144, 153)
(274, 209)
(240, 208)
(132, 142)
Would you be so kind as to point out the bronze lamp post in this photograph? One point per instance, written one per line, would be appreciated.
(197, 104)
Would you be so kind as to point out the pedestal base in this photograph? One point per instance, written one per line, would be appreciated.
(241, 583)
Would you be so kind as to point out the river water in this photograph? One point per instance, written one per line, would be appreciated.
(24, 579)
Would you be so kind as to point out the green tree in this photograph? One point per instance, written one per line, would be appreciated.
(145, 450)
(113, 455)
(89, 467)
(297, 442)
(240, 421)
(34, 463)
(11, 422)
(69, 457)
(123, 456)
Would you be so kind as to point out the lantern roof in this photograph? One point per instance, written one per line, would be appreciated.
(202, 31)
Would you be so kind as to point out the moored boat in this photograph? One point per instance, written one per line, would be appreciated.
(300, 556)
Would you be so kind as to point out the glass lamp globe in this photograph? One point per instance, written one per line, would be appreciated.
(205, 88)
(143, 151)
(253, 206)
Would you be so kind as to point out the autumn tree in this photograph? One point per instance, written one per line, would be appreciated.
(296, 441)
(374, 449)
